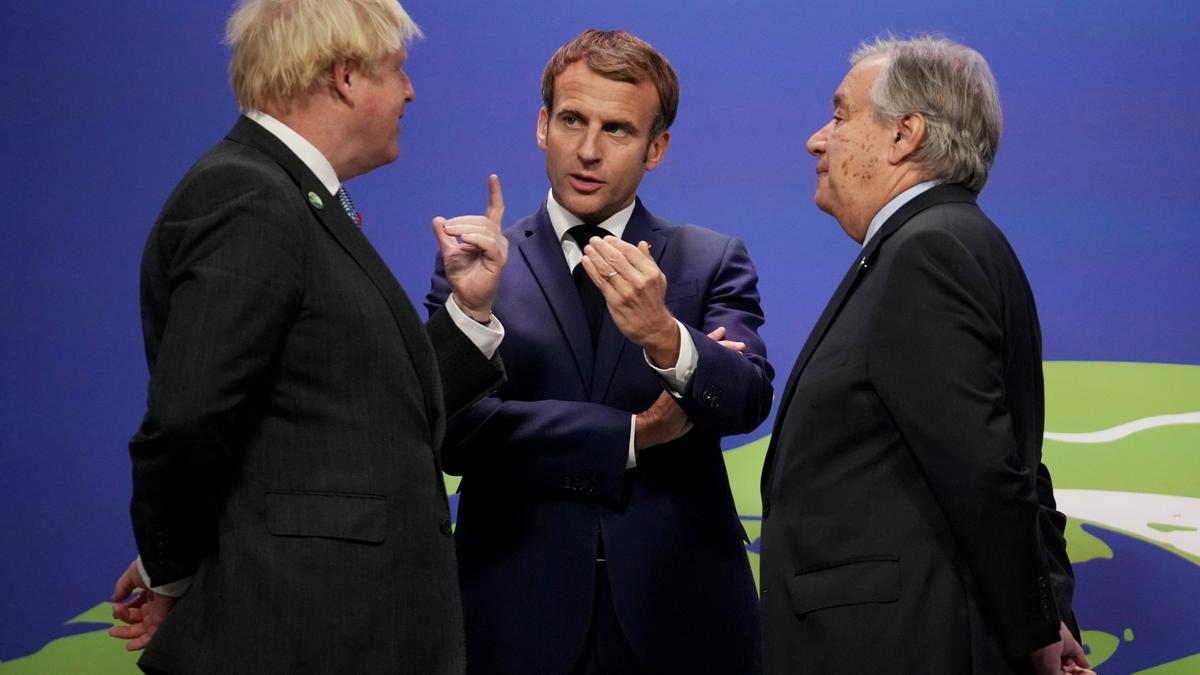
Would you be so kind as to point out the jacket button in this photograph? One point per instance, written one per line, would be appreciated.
(446, 528)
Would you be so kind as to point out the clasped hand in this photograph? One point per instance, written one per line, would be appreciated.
(634, 288)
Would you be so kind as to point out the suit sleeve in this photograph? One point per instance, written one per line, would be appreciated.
(1053, 525)
(935, 359)
(231, 267)
(573, 449)
(466, 373)
(730, 392)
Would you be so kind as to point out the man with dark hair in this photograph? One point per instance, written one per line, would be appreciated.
(909, 525)
(597, 532)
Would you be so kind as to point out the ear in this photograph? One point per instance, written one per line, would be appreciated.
(656, 150)
(909, 134)
(543, 127)
(347, 78)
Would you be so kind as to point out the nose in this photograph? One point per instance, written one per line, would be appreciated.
(409, 92)
(816, 142)
(589, 147)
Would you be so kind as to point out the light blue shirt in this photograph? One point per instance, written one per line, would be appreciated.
(889, 209)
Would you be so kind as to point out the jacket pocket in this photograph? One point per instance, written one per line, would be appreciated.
(680, 289)
(848, 582)
(354, 517)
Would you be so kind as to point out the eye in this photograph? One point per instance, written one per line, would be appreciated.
(569, 120)
(618, 130)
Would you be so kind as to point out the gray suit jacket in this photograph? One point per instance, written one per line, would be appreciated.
(287, 458)
(908, 522)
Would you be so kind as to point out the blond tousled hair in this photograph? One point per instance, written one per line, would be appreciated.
(284, 50)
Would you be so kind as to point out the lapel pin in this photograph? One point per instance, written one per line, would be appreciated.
(315, 200)
(863, 263)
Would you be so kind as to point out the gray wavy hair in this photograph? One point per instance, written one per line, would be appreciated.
(953, 87)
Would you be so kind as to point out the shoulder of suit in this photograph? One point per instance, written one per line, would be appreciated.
(231, 173)
(962, 220)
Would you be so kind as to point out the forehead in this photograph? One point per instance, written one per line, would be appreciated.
(855, 88)
(580, 89)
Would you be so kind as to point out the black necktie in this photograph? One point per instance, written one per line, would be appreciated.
(593, 300)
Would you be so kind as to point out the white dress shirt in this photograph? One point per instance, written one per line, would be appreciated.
(676, 376)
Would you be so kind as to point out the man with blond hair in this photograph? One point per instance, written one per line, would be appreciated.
(909, 525)
(597, 533)
(288, 505)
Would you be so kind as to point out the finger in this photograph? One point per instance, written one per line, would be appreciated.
(128, 632)
(495, 208)
(126, 584)
(594, 273)
(600, 277)
(732, 345)
(457, 228)
(446, 241)
(131, 611)
(718, 333)
(129, 615)
(641, 259)
(613, 251)
(637, 257)
(138, 643)
(485, 242)
(608, 276)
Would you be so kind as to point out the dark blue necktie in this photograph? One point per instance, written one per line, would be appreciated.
(343, 198)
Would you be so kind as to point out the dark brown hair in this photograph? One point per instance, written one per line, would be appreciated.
(618, 56)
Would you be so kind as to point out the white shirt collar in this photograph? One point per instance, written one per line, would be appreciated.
(889, 209)
(307, 152)
(563, 220)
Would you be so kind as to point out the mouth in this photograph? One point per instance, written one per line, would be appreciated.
(585, 183)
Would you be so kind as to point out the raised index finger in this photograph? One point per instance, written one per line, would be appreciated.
(495, 207)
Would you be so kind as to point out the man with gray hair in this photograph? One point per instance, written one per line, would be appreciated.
(909, 525)
(288, 504)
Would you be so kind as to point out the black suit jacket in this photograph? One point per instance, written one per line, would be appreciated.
(909, 523)
(543, 466)
(287, 457)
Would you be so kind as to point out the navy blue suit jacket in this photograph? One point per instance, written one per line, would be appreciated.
(543, 466)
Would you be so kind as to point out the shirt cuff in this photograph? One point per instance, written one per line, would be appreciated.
(631, 460)
(174, 589)
(485, 336)
(678, 376)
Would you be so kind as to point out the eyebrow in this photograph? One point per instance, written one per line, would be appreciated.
(628, 125)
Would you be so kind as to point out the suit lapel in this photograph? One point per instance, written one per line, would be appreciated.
(350, 237)
(542, 252)
(940, 194)
(642, 227)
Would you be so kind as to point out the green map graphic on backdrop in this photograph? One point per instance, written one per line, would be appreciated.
(1123, 447)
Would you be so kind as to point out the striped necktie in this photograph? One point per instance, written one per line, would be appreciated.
(343, 198)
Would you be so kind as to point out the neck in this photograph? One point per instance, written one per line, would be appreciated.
(316, 118)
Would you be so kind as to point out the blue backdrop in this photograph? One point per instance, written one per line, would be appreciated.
(107, 104)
